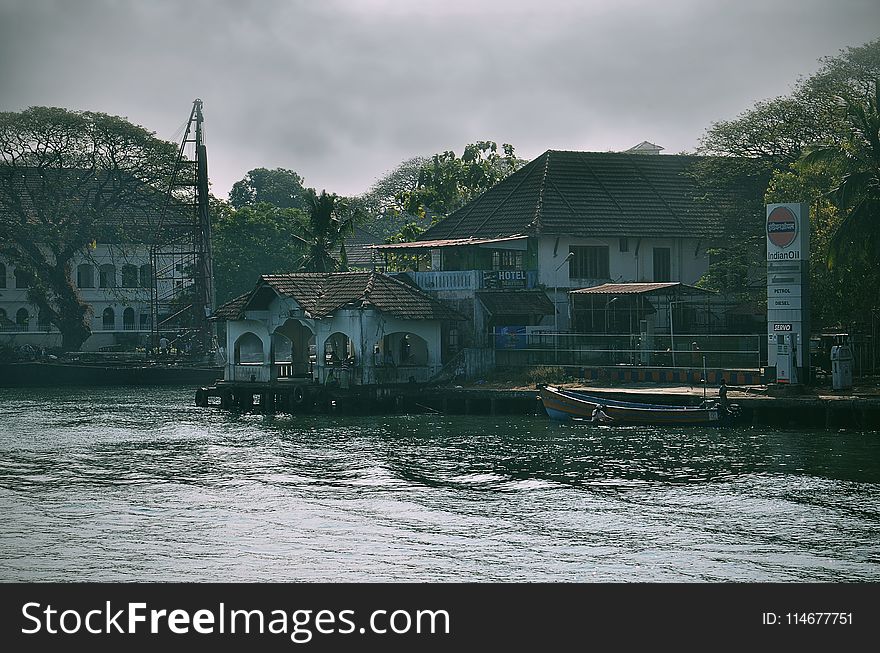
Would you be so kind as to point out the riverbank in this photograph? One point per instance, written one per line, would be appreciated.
(759, 405)
(34, 374)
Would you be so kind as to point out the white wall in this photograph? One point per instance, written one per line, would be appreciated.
(689, 261)
(365, 328)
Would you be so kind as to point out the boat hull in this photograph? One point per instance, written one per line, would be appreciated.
(564, 405)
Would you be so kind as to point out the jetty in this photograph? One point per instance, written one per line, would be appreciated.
(759, 405)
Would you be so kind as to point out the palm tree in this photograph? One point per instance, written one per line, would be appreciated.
(857, 195)
(323, 231)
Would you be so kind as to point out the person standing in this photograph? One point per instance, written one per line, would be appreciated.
(722, 394)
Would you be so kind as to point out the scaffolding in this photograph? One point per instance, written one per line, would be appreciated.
(182, 295)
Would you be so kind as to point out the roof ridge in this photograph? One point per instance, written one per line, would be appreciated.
(526, 177)
(656, 192)
(368, 289)
(539, 205)
(471, 205)
(601, 185)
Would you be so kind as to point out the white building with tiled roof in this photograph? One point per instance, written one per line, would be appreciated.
(354, 328)
(570, 220)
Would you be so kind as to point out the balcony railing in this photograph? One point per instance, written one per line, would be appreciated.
(445, 280)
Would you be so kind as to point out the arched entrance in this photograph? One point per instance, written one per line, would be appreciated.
(404, 350)
(292, 346)
(248, 350)
(338, 350)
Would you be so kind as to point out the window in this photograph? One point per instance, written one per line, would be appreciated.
(128, 319)
(2, 276)
(146, 276)
(22, 279)
(662, 264)
(453, 339)
(22, 317)
(108, 319)
(108, 276)
(85, 276)
(145, 321)
(589, 262)
(129, 276)
(507, 259)
(624, 244)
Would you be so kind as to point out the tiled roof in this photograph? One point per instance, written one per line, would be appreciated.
(322, 293)
(637, 288)
(588, 194)
(231, 309)
(358, 249)
(516, 302)
(134, 218)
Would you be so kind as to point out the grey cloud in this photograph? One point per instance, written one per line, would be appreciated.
(343, 91)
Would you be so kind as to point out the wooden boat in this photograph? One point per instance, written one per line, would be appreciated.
(568, 404)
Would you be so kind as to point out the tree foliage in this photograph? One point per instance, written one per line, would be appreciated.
(280, 187)
(68, 179)
(815, 145)
(322, 230)
(407, 234)
(381, 208)
(252, 241)
(448, 182)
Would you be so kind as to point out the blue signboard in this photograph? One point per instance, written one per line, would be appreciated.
(510, 337)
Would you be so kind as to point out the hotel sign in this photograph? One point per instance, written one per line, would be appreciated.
(505, 279)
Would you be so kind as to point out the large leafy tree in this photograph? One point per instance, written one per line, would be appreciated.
(251, 241)
(67, 180)
(327, 221)
(381, 207)
(280, 187)
(813, 145)
(855, 156)
(447, 182)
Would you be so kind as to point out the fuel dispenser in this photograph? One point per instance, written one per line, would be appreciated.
(786, 358)
(841, 364)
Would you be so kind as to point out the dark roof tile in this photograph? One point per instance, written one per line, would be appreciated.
(320, 294)
(589, 194)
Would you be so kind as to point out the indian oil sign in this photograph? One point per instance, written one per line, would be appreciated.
(788, 232)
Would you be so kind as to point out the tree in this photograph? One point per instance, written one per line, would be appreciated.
(856, 156)
(381, 206)
(447, 182)
(813, 145)
(252, 241)
(407, 234)
(279, 187)
(68, 179)
(322, 231)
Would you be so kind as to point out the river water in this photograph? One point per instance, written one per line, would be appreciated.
(138, 484)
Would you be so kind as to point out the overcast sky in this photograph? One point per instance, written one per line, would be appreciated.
(342, 91)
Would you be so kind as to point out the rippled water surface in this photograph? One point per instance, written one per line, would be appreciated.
(137, 484)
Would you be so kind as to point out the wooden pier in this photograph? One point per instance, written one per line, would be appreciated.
(824, 412)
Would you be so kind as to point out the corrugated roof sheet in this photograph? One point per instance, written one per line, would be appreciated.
(320, 294)
(588, 194)
(449, 242)
(637, 288)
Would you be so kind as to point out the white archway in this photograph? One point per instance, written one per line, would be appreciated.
(248, 349)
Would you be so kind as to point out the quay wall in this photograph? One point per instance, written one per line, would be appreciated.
(827, 413)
